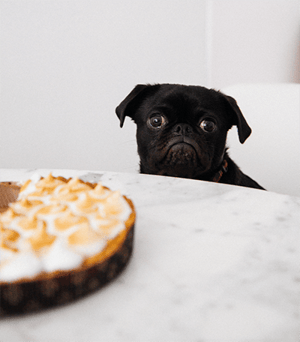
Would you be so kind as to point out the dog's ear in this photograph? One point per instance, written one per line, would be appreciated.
(244, 129)
(128, 105)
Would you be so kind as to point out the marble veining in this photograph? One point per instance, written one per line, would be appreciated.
(211, 262)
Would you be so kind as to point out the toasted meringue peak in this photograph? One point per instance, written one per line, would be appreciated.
(8, 216)
(30, 223)
(84, 235)
(77, 185)
(41, 239)
(9, 238)
(49, 183)
(51, 209)
(68, 220)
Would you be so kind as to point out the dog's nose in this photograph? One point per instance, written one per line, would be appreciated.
(183, 129)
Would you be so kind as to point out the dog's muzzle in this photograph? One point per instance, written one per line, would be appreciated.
(183, 143)
(181, 153)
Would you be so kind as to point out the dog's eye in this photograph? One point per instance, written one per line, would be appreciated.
(156, 121)
(208, 126)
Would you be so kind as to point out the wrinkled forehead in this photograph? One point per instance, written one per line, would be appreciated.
(187, 98)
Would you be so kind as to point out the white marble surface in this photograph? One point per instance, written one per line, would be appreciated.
(211, 262)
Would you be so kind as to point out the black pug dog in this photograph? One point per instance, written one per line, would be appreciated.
(182, 130)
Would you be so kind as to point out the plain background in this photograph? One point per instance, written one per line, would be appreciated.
(66, 64)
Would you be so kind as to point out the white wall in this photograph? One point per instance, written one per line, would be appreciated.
(271, 155)
(255, 41)
(66, 64)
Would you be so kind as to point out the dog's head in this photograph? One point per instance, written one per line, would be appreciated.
(181, 130)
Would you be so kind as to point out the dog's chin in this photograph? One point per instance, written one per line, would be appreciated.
(181, 160)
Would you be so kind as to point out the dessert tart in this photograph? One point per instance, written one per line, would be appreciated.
(59, 240)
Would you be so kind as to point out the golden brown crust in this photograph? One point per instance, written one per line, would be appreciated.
(8, 193)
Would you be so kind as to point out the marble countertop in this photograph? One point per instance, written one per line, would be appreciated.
(211, 262)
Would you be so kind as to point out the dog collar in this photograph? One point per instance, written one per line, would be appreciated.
(219, 174)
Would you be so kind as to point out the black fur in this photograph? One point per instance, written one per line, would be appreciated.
(182, 131)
